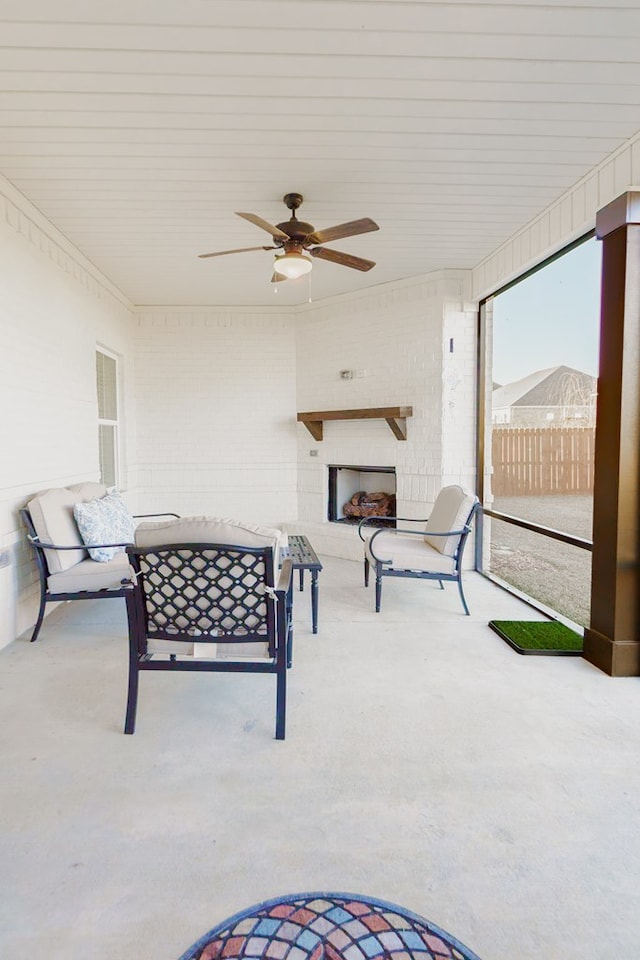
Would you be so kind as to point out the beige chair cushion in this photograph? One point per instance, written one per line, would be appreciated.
(402, 551)
(52, 515)
(90, 575)
(209, 530)
(209, 651)
(450, 512)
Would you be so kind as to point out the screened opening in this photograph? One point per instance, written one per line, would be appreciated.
(540, 344)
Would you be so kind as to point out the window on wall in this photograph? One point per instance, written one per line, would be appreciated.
(107, 389)
(540, 338)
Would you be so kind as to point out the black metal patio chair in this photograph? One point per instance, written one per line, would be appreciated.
(207, 606)
(433, 552)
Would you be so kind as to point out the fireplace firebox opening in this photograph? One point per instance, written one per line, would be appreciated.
(361, 491)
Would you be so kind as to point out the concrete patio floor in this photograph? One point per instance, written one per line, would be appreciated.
(426, 763)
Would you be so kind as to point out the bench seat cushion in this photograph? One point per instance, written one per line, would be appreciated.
(91, 575)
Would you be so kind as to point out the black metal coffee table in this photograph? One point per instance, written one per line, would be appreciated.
(304, 558)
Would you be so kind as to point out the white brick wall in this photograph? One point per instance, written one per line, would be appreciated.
(54, 308)
(400, 337)
(216, 413)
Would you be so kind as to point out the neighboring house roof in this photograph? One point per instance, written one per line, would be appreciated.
(553, 387)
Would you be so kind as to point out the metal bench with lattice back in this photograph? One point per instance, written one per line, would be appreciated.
(206, 598)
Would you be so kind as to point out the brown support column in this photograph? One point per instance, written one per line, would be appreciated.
(612, 642)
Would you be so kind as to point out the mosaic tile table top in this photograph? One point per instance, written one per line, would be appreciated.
(327, 926)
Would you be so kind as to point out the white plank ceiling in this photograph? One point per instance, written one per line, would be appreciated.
(138, 127)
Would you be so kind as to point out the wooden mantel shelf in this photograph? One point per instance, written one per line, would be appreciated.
(396, 417)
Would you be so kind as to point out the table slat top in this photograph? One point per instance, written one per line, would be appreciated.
(302, 553)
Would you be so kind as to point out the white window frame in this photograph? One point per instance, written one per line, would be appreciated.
(115, 423)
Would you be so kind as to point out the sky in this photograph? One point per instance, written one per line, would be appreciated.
(550, 318)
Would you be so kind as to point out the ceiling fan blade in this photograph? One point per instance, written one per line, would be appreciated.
(264, 225)
(278, 278)
(345, 259)
(351, 229)
(222, 253)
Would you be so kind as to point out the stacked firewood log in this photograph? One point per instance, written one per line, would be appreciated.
(363, 504)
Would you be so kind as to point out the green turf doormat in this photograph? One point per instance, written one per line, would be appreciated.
(539, 637)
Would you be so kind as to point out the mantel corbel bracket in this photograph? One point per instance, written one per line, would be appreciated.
(396, 418)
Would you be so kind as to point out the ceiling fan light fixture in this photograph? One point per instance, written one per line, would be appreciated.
(293, 265)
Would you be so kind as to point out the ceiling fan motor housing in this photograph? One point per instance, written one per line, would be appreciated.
(296, 229)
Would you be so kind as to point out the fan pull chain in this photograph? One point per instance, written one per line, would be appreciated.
(309, 287)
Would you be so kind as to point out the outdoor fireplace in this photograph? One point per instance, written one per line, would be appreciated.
(360, 491)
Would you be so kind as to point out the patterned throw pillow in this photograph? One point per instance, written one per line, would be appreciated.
(105, 520)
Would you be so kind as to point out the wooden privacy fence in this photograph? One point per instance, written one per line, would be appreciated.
(542, 460)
